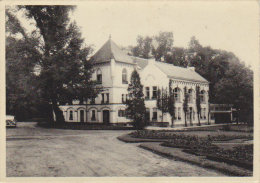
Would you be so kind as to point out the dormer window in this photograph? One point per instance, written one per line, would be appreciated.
(99, 76)
(124, 76)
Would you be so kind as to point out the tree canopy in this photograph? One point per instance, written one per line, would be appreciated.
(135, 104)
(60, 54)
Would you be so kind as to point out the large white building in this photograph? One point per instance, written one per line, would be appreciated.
(113, 69)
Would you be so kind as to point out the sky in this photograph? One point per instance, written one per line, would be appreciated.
(228, 25)
(231, 26)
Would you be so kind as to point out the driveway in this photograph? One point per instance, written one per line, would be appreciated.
(35, 151)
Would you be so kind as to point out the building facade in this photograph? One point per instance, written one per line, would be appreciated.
(113, 69)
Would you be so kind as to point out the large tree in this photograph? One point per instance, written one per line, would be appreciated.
(64, 72)
(22, 97)
(162, 47)
(135, 104)
(143, 48)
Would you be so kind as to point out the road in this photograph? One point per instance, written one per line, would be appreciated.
(35, 152)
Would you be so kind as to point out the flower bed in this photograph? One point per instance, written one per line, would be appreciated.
(153, 134)
(241, 156)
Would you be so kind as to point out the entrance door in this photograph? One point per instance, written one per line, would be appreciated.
(106, 117)
(81, 115)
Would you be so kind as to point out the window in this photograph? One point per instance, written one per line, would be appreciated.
(212, 116)
(179, 113)
(126, 97)
(154, 92)
(123, 100)
(147, 92)
(147, 114)
(93, 116)
(154, 114)
(103, 98)
(107, 98)
(177, 94)
(202, 96)
(124, 77)
(190, 94)
(99, 76)
(203, 113)
(71, 115)
(121, 113)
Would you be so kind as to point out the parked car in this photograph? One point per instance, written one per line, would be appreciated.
(10, 121)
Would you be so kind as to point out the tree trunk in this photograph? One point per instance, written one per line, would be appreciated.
(185, 116)
(57, 111)
(199, 118)
(172, 122)
(190, 119)
(162, 116)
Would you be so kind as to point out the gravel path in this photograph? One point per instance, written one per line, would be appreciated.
(34, 151)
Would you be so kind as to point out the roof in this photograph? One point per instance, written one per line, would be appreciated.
(111, 51)
(141, 62)
(179, 72)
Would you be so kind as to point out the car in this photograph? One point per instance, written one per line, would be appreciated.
(10, 121)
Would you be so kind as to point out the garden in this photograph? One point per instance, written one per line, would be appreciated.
(229, 146)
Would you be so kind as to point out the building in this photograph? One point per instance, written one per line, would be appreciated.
(112, 70)
(223, 113)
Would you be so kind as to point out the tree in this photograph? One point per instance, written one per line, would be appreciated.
(65, 74)
(22, 97)
(143, 48)
(237, 88)
(171, 103)
(162, 101)
(185, 104)
(198, 103)
(162, 46)
(135, 104)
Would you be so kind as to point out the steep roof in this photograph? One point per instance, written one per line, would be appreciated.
(111, 51)
(141, 62)
(179, 72)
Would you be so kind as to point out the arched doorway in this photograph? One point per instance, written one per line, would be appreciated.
(82, 115)
(106, 117)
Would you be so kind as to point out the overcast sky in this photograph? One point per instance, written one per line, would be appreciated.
(231, 26)
(227, 25)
